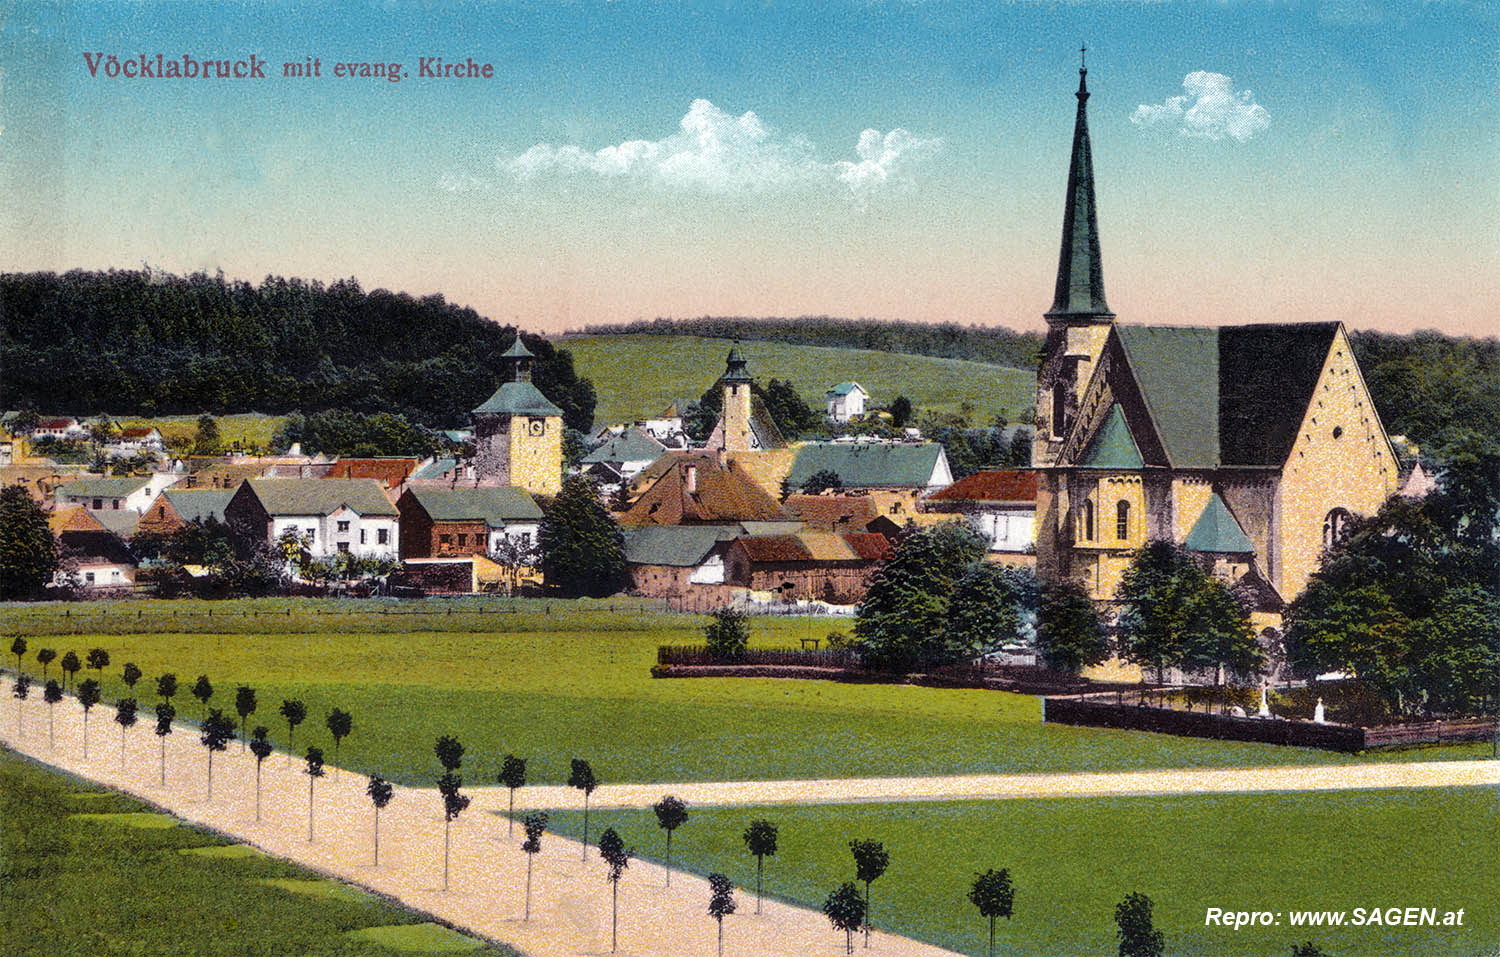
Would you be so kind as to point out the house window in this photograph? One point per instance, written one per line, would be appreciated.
(343, 526)
(382, 536)
(525, 538)
(1335, 527)
(444, 539)
(98, 503)
(1122, 520)
(117, 505)
(88, 577)
(343, 546)
(463, 539)
(361, 536)
(1088, 521)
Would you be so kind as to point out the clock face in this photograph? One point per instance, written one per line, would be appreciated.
(538, 426)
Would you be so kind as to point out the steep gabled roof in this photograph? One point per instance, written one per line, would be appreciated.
(295, 496)
(677, 546)
(724, 494)
(1112, 447)
(495, 505)
(1177, 371)
(518, 398)
(389, 472)
(833, 513)
(1217, 531)
(995, 485)
(199, 504)
(632, 445)
(119, 521)
(867, 465)
(845, 388)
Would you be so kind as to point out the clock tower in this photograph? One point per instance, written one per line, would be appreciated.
(518, 432)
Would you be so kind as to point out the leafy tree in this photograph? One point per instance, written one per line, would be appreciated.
(1174, 613)
(581, 776)
(313, 770)
(165, 715)
(994, 895)
(45, 657)
(20, 691)
(617, 857)
(126, 710)
(260, 746)
(70, 666)
(1138, 936)
(720, 902)
(1020, 450)
(18, 648)
(900, 622)
(870, 861)
(295, 712)
(1308, 949)
(98, 659)
(1457, 655)
(583, 551)
(244, 706)
(130, 675)
(380, 792)
(208, 441)
(450, 755)
(513, 776)
(760, 841)
(845, 909)
(203, 690)
(900, 411)
(727, 633)
(28, 551)
(340, 723)
(215, 733)
(52, 693)
(166, 686)
(671, 813)
(1069, 634)
(991, 605)
(791, 412)
(535, 824)
(88, 696)
(514, 554)
(823, 480)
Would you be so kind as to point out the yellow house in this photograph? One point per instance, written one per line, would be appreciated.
(518, 432)
(1249, 445)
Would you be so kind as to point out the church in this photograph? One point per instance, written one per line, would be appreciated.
(1251, 446)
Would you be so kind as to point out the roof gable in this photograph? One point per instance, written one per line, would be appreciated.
(199, 504)
(632, 445)
(680, 546)
(1177, 373)
(1217, 531)
(723, 494)
(1267, 376)
(104, 487)
(1112, 447)
(518, 398)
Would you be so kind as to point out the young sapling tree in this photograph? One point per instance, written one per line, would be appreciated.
(535, 824)
(513, 776)
(125, 716)
(380, 792)
(165, 715)
(760, 840)
(615, 854)
(671, 813)
(88, 696)
(260, 746)
(216, 732)
(994, 895)
(314, 770)
(720, 902)
(581, 776)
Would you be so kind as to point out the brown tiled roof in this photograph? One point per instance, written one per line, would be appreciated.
(775, 548)
(724, 495)
(56, 423)
(999, 485)
(871, 546)
(73, 518)
(815, 546)
(388, 472)
(138, 433)
(833, 513)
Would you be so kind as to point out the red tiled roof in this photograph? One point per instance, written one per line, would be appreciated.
(388, 472)
(724, 495)
(1000, 485)
(775, 548)
(56, 423)
(135, 433)
(833, 513)
(871, 546)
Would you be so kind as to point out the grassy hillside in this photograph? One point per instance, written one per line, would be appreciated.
(637, 375)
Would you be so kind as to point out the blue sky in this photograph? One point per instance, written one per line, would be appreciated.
(1255, 161)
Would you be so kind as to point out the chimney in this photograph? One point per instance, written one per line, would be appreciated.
(692, 479)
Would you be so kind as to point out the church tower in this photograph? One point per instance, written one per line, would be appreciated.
(738, 435)
(1079, 321)
(518, 432)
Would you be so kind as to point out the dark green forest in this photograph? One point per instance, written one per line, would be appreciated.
(148, 343)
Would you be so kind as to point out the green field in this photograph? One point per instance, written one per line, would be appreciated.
(86, 871)
(245, 429)
(552, 680)
(1072, 860)
(636, 376)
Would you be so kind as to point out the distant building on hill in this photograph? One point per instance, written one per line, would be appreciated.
(846, 402)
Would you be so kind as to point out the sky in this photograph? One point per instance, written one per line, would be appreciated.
(1254, 161)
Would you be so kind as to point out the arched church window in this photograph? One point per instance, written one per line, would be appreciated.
(1335, 527)
(1088, 520)
(1122, 520)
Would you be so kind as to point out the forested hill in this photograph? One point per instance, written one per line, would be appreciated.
(149, 343)
(948, 340)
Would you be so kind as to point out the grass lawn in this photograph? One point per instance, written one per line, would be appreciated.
(245, 429)
(87, 871)
(556, 680)
(637, 375)
(1073, 860)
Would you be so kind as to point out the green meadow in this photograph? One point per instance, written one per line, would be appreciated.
(245, 429)
(553, 680)
(636, 376)
(1072, 860)
(87, 871)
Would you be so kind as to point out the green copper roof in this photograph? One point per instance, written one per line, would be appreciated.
(518, 350)
(103, 488)
(1217, 531)
(1112, 447)
(1177, 370)
(680, 546)
(495, 505)
(873, 465)
(518, 398)
(632, 445)
(734, 367)
(200, 504)
(1080, 274)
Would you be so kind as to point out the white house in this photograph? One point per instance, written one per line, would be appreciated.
(135, 493)
(846, 402)
(131, 442)
(1000, 505)
(329, 515)
(60, 427)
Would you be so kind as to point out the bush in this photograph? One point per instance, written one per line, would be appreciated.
(728, 634)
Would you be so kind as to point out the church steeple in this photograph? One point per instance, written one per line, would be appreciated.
(1080, 276)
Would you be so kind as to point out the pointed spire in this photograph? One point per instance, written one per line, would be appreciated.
(1080, 275)
(517, 361)
(734, 366)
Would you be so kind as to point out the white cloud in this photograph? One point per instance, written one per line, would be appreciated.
(717, 152)
(1209, 109)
